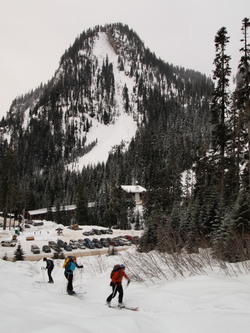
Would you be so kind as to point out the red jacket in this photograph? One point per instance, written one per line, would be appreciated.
(118, 275)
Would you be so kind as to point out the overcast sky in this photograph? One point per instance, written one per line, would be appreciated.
(35, 33)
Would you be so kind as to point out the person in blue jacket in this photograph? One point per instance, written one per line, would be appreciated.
(69, 269)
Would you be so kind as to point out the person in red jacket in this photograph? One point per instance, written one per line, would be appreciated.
(116, 283)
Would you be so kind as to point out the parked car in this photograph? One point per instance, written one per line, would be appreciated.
(104, 242)
(129, 237)
(67, 247)
(46, 249)
(113, 242)
(38, 223)
(97, 231)
(124, 241)
(35, 249)
(8, 243)
(72, 241)
(52, 244)
(89, 244)
(117, 240)
(97, 243)
(136, 240)
(80, 240)
(60, 243)
(81, 246)
(88, 233)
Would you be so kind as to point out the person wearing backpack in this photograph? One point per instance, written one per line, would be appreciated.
(69, 269)
(116, 276)
(49, 267)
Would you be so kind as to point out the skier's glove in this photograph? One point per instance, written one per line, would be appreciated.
(81, 266)
(128, 282)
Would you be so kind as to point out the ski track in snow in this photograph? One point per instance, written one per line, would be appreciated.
(200, 303)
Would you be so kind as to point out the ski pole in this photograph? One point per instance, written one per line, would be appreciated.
(127, 284)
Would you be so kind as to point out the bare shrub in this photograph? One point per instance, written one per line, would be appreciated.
(149, 267)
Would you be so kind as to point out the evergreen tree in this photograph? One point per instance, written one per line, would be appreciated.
(220, 103)
(242, 95)
(9, 180)
(126, 98)
(19, 253)
(241, 215)
(82, 206)
(5, 257)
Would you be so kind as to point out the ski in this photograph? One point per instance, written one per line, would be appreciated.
(78, 294)
(83, 293)
(125, 308)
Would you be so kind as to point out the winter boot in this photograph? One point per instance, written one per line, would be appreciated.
(121, 305)
(108, 304)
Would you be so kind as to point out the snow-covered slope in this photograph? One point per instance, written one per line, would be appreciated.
(106, 137)
(124, 127)
(201, 303)
(206, 298)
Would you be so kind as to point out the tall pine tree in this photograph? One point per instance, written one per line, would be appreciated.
(220, 105)
(9, 191)
(243, 92)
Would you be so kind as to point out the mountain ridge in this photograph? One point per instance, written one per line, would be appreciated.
(100, 77)
(106, 80)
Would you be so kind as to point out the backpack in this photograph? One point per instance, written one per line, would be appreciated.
(115, 269)
(66, 261)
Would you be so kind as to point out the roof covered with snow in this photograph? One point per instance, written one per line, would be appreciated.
(53, 209)
(133, 188)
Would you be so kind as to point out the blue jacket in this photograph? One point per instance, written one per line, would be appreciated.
(71, 266)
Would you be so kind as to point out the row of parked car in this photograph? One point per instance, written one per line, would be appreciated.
(85, 243)
(93, 232)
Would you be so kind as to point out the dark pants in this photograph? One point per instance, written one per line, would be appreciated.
(49, 274)
(115, 289)
(69, 277)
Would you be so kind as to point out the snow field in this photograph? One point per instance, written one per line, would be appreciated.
(210, 302)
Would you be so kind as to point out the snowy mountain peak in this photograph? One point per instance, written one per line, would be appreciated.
(97, 99)
(123, 126)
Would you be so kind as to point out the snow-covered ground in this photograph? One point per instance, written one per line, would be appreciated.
(211, 300)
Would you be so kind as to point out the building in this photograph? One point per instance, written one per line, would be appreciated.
(67, 211)
(136, 190)
(43, 213)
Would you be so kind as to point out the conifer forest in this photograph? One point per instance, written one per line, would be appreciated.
(191, 150)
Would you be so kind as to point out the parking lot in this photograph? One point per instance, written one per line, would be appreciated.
(40, 240)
